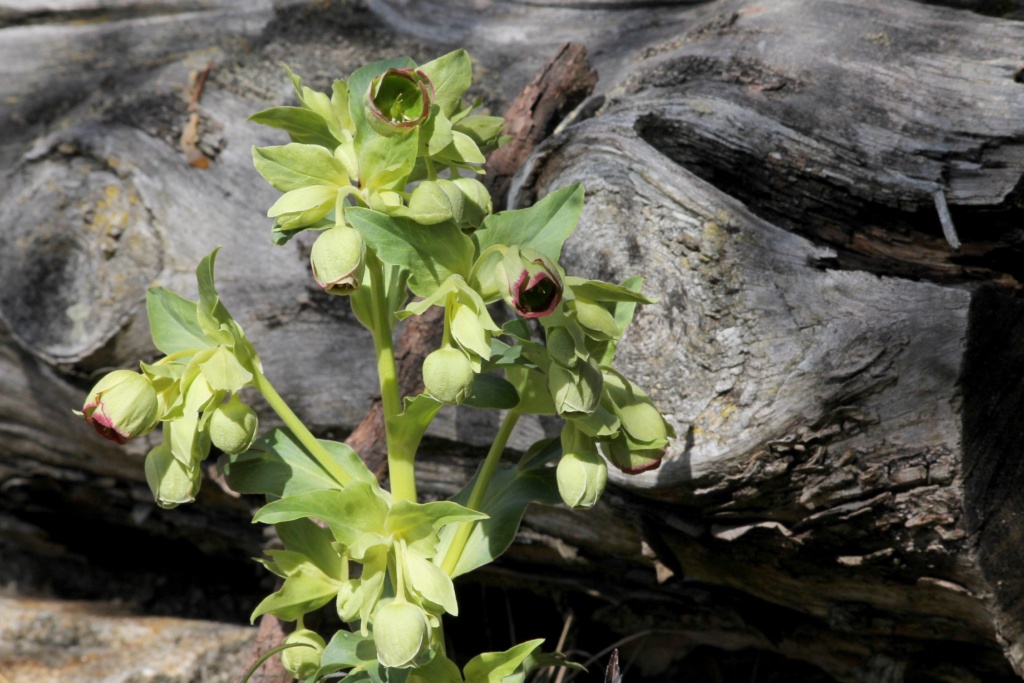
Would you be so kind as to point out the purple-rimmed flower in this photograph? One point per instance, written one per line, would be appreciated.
(399, 101)
(122, 406)
(531, 283)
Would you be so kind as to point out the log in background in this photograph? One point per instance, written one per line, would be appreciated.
(844, 502)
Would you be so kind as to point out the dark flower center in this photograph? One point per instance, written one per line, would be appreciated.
(539, 296)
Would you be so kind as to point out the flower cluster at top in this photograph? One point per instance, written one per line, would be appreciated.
(385, 168)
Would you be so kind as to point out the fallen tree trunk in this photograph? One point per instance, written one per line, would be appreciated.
(791, 178)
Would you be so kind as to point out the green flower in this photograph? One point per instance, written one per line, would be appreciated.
(529, 282)
(401, 633)
(233, 426)
(337, 258)
(122, 406)
(171, 481)
(448, 375)
(399, 101)
(582, 474)
(303, 660)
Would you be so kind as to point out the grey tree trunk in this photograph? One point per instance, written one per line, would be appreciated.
(826, 195)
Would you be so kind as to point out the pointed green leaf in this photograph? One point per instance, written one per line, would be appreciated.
(491, 391)
(485, 131)
(173, 322)
(451, 75)
(440, 669)
(428, 205)
(346, 650)
(300, 594)
(431, 582)
(606, 291)
(223, 371)
(354, 510)
(492, 667)
(417, 523)
(292, 166)
(339, 105)
(544, 226)
(278, 465)
(431, 254)
(512, 489)
(386, 162)
(304, 199)
(304, 537)
(302, 125)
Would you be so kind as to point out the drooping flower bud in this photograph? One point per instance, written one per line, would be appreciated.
(172, 482)
(632, 460)
(303, 660)
(398, 101)
(477, 203)
(582, 474)
(448, 375)
(531, 284)
(122, 406)
(401, 633)
(575, 392)
(233, 426)
(349, 600)
(337, 258)
(644, 433)
(561, 346)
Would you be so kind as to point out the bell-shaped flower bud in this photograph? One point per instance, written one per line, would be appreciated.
(630, 459)
(576, 391)
(642, 423)
(303, 659)
(477, 203)
(401, 633)
(171, 481)
(561, 346)
(122, 406)
(530, 282)
(582, 474)
(233, 426)
(398, 101)
(349, 600)
(448, 375)
(337, 257)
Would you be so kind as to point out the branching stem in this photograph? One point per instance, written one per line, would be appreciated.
(476, 497)
(300, 431)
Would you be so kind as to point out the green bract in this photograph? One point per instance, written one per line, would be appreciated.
(387, 165)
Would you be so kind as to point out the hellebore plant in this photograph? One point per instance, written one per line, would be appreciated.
(385, 167)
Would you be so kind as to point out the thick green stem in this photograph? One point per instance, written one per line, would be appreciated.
(476, 496)
(401, 458)
(304, 436)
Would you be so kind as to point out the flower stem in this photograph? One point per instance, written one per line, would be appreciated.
(401, 459)
(300, 431)
(476, 496)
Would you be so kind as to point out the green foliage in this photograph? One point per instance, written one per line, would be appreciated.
(386, 164)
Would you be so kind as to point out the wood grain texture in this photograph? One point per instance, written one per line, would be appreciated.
(844, 491)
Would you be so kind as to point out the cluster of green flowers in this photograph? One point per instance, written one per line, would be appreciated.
(192, 391)
(385, 168)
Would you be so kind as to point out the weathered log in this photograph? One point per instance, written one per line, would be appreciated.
(843, 491)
